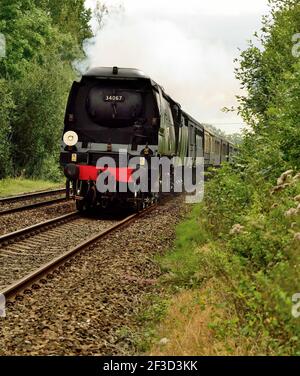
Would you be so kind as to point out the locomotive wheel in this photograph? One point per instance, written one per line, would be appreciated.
(155, 198)
(82, 206)
(160, 185)
(172, 182)
(139, 202)
(145, 202)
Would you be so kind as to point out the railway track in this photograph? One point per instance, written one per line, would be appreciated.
(11, 204)
(23, 252)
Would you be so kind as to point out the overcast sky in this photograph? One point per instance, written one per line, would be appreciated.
(187, 46)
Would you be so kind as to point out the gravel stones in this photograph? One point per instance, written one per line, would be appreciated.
(16, 221)
(82, 309)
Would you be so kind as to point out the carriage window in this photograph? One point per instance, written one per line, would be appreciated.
(208, 143)
(167, 111)
(199, 145)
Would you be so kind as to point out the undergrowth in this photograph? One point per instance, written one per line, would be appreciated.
(242, 245)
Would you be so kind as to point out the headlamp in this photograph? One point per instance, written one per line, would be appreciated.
(70, 138)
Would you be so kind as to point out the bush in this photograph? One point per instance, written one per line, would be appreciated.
(260, 264)
(40, 96)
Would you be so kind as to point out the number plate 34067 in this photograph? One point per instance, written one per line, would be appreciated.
(114, 98)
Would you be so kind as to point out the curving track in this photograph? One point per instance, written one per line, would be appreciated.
(14, 204)
(33, 253)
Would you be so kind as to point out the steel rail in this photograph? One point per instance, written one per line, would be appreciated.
(27, 282)
(26, 196)
(34, 229)
(32, 206)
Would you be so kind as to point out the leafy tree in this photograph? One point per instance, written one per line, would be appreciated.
(40, 97)
(262, 68)
(235, 138)
(270, 76)
(70, 16)
(29, 40)
(5, 130)
(43, 38)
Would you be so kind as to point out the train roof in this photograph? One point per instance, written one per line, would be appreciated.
(114, 72)
(206, 128)
(133, 73)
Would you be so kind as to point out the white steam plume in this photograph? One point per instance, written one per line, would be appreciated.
(187, 47)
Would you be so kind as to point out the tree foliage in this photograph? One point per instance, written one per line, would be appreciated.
(6, 109)
(269, 73)
(70, 16)
(42, 39)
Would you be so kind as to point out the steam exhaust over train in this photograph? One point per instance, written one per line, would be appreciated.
(117, 112)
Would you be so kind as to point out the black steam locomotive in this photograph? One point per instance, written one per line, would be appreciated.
(114, 109)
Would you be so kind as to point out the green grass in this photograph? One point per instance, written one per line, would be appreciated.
(182, 261)
(11, 187)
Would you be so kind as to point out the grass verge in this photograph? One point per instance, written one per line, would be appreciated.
(15, 186)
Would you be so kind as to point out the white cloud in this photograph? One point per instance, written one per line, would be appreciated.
(188, 47)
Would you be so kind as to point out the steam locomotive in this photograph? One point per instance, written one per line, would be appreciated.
(115, 109)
